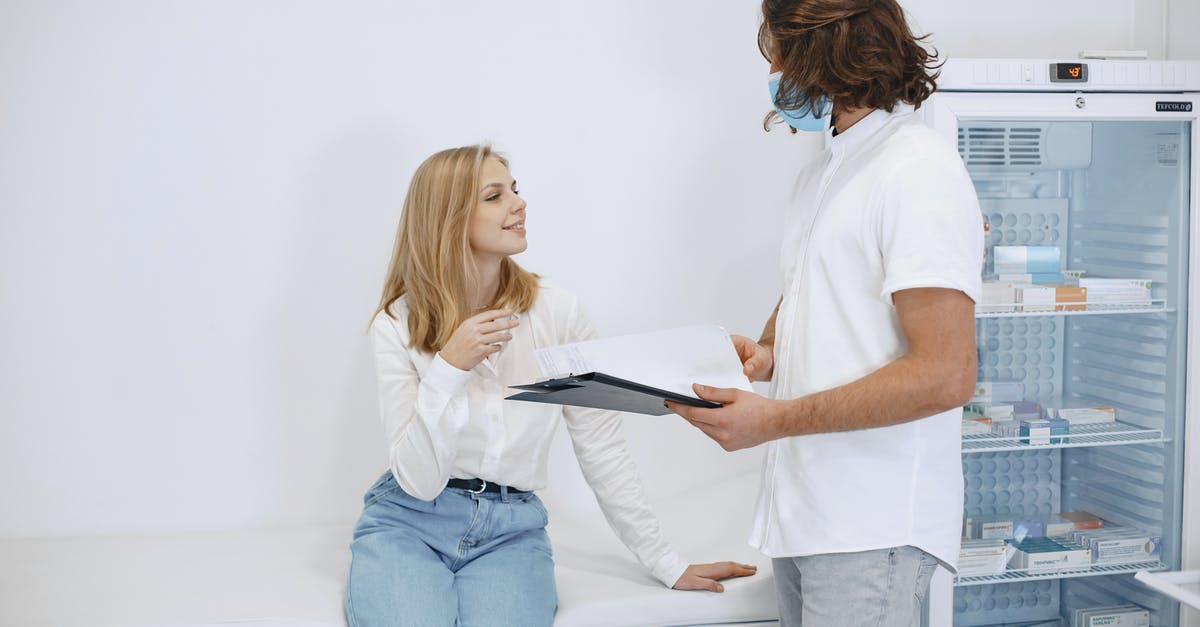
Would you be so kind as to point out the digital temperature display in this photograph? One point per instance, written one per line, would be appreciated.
(1068, 72)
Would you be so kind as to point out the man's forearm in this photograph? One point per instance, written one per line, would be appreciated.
(904, 390)
(936, 374)
(767, 339)
(768, 333)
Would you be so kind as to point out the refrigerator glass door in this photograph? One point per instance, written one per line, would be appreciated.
(1088, 200)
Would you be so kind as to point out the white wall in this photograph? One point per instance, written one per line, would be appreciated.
(1183, 16)
(197, 202)
(1167, 28)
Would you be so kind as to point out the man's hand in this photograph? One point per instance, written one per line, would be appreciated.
(758, 361)
(746, 419)
(706, 576)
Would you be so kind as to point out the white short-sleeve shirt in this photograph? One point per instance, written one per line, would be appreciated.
(889, 207)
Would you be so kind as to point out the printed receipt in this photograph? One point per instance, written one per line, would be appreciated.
(670, 360)
(562, 360)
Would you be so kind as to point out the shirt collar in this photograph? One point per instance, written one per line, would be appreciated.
(849, 141)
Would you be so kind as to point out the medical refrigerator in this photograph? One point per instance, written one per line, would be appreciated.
(1074, 449)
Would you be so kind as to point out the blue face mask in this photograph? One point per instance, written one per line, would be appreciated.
(799, 119)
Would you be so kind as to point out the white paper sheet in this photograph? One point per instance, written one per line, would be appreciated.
(671, 360)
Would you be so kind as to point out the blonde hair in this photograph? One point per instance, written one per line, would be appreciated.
(431, 261)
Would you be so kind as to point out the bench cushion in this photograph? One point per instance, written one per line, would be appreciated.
(294, 577)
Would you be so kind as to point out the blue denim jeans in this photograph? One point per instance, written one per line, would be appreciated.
(880, 588)
(461, 559)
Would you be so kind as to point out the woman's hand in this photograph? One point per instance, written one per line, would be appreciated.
(758, 361)
(707, 576)
(477, 337)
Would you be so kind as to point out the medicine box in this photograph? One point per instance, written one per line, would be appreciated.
(1026, 410)
(1042, 432)
(1111, 616)
(1026, 259)
(1084, 415)
(1066, 523)
(1000, 527)
(1058, 526)
(1007, 429)
(1040, 555)
(997, 297)
(1083, 520)
(1119, 545)
(1117, 291)
(1086, 536)
(1140, 547)
(996, 412)
(990, 528)
(1067, 298)
(998, 392)
(1035, 297)
(1047, 278)
(981, 557)
(977, 427)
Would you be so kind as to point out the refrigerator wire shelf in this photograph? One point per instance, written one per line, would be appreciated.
(1016, 576)
(1093, 309)
(1104, 434)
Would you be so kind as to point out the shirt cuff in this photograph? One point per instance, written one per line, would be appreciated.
(445, 378)
(970, 287)
(669, 568)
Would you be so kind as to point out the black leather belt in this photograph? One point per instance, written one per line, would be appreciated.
(479, 485)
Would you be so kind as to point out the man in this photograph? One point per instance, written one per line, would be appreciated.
(871, 349)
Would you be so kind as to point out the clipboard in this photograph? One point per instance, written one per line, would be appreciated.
(601, 391)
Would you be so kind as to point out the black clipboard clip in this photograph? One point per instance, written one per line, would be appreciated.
(602, 391)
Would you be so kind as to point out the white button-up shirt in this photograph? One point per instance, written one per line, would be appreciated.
(890, 207)
(442, 422)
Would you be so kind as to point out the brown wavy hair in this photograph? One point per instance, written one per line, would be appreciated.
(857, 53)
(431, 261)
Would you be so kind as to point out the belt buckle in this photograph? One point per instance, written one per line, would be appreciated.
(482, 487)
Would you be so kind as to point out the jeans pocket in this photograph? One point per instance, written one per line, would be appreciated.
(924, 575)
(395, 496)
(384, 485)
(539, 507)
(541, 539)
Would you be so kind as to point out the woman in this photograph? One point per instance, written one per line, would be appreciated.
(453, 533)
